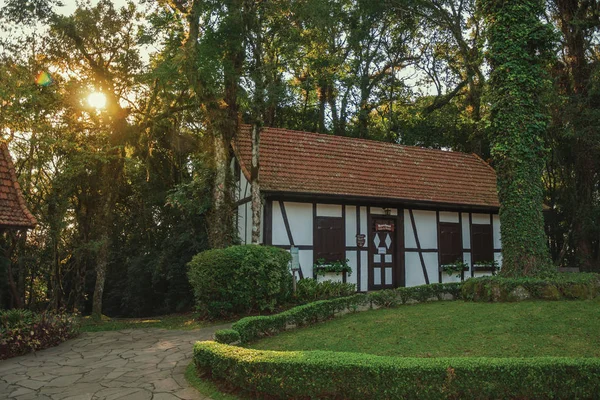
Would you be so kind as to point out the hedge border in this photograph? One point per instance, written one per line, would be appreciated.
(325, 374)
(253, 328)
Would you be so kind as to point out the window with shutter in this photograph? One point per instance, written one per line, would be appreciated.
(450, 242)
(483, 243)
(329, 239)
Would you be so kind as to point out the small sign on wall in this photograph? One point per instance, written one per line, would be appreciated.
(384, 226)
(361, 239)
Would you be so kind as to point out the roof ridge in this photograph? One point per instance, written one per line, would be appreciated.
(366, 141)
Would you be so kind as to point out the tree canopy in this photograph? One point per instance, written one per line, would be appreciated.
(127, 193)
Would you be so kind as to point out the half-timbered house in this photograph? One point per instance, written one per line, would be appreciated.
(396, 213)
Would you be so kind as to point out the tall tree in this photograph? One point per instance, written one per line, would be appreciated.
(213, 55)
(578, 22)
(518, 42)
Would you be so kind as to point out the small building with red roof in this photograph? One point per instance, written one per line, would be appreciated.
(14, 213)
(398, 214)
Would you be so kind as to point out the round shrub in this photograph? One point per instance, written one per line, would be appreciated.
(240, 279)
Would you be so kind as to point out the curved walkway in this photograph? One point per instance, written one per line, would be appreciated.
(129, 364)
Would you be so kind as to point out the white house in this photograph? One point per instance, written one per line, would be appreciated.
(397, 213)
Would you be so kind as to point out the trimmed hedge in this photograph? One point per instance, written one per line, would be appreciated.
(227, 336)
(252, 328)
(579, 286)
(22, 331)
(332, 375)
(309, 289)
(240, 279)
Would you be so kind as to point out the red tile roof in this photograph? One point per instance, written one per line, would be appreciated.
(311, 163)
(13, 210)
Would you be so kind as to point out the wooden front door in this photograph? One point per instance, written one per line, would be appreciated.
(382, 253)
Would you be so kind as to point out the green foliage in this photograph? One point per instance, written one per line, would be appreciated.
(252, 328)
(227, 336)
(580, 286)
(323, 267)
(322, 374)
(310, 290)
(519, 47)
(456, 268)
(23, 331)
(240, 279)
(15, 318)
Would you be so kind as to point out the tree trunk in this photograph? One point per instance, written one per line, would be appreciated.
(572, 16)
(101, 267)
(518, 122)
(255, 188)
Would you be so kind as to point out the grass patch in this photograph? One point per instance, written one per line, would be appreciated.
(457, 329)
(205, 387)
(187, 321)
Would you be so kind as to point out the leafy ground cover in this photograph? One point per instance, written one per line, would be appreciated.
(173, 321)
(457, 329)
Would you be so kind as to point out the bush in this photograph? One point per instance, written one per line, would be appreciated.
(15, 318)
(308, 290)
(252, 328)
(323, 375)
(23, 331)
(227, 336)
(240, 279)
(580, 286)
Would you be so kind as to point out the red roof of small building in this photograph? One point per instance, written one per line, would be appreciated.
(311, 163)
(13, 210)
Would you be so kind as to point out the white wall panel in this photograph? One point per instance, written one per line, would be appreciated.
(329, 210)
(496, 232)
(413, 272)
(278, 229)
(431, 264)
(248, 222)
(498, 259)
(244, 187)
(363, 222)
(409, 237)
(262, 225)
(351, 226)
(364, 271)
(426, 228)
(351, 257)
(466, 231)
(300, 219)
(450, 278)
(381, 211)
(449, 217)
(306, 262)
(467, 260)
(481, 219)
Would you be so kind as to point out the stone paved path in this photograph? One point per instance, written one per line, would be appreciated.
(130, 364)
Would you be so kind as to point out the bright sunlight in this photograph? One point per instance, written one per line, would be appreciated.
(97, 100)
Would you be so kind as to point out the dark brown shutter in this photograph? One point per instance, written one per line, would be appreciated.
(329, 239)
(450, 242)
(483, 243)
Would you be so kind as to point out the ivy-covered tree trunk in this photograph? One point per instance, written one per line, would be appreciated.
(517, 43)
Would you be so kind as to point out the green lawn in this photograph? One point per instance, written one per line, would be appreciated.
(174, 321)
(464, 329)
